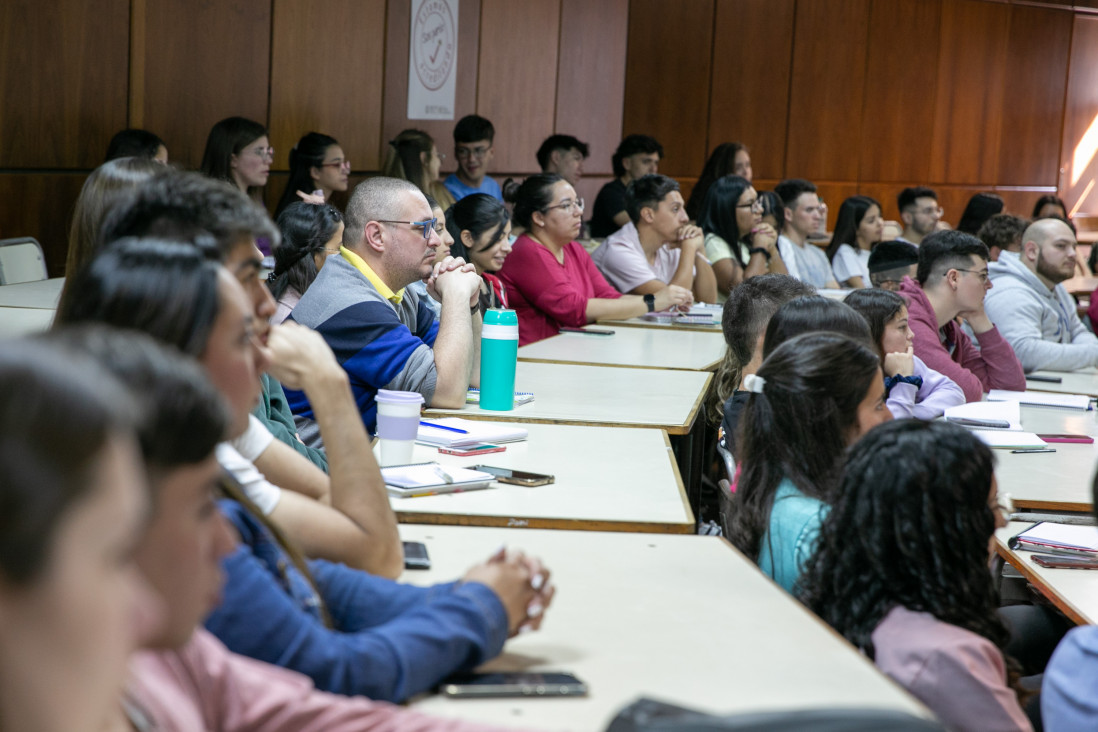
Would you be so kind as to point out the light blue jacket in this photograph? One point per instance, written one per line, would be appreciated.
(791, 536)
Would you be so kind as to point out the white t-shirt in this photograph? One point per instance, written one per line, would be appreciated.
(807, 263)
(263, 494)
(849, 263)
(623, 262)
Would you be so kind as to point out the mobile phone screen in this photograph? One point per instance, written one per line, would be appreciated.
(516, 477)
(512, 684)
(415, 555)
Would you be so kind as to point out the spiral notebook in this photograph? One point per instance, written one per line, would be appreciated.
(1041, 399)
(521, 397)
(432, 479)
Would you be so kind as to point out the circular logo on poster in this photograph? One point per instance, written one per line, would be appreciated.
(433, 43)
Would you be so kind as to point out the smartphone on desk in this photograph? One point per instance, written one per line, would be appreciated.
(1080, 439)
(512, 684)
(482, 448)
(415, 555)
(517, 477)
(1061, 561)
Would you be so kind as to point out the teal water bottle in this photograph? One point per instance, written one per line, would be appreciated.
(498, 356)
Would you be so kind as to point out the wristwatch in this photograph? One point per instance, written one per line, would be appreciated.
(650, 301)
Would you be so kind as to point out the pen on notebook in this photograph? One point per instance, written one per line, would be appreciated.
(1047, 379)
(1040, 449)
(446, 477)
(444, 427)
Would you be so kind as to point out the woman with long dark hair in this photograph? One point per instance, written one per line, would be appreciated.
(318, 168)
(481, 229)
(901, 571)
(310, 234)
(413, 156)
(813, 397)
(737, 242)
(858, 228)
(238, 151)
(728, 158)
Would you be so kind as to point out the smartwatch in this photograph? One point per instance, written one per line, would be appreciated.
(650, 301)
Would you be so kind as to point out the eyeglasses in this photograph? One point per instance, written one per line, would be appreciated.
(337, 164)
(264, 153)
(427, 225)
(931, 211)
(981, 272)
(441, 155)
(470, 152)
(568, 207)
(756, 205)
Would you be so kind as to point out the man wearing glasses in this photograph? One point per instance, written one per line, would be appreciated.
(473, 137)
(920, 212)
(951, 281)
(383, 334)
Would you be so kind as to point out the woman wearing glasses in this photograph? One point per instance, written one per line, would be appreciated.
(737, 242)
(318, 168)
(239, 152)
(310, 233)
(550, 279)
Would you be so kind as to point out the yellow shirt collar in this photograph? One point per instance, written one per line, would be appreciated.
(360, 264)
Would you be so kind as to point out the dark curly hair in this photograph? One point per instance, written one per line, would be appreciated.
(908, 527)
(306, 228)
(798, 427)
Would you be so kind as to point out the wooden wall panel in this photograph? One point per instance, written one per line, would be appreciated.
(1081, 117)
(41, 205)
(517, 77)
(667, 79)
(591, 77)
(829, 44)
(1033, 107)
(63, 78)
(964, 147)
(749, 100)
(898, 110)
(203, 62)
(833, 194)
(308, 94)
(397, 24)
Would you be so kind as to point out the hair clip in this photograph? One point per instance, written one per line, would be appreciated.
(754, 383)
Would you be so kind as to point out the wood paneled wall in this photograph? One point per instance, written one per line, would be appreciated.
(859, 95)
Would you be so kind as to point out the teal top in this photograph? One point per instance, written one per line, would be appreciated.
(274, 412)
(790, 539)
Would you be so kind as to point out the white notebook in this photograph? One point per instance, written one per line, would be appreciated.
(1061, 536)
(1010, 439)
(1041, 399)
(432, 432)
(430, 479)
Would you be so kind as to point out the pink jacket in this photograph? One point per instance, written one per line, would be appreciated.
(993, 366)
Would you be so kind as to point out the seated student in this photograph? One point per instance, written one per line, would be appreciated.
(980, 208)
(797, 424)
(738, 243)
(310, 234)
(318, 168)
(952, 279)
(728, 158)
(239, 152)
(186, 679)
(858, 230)
(133, 143)
(171, 291)
(913, 389)
(413, 156)
(73, 505)
(420, 286)
(1002, 233)
(890, 262)
(563, 155)
(747, 311)
(1032, 308)
(919, 212)
(636, 157)
(901, 571)
(551, 280)
(385, 336)
(479, 231)
(803, 217)
(658, 247)
(473, 137)
(1049, 205)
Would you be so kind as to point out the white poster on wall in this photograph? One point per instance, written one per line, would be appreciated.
(432, 59)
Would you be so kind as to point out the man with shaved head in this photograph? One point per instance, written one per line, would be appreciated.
(1032, 309)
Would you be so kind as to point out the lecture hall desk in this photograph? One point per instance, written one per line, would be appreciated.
(1073, 591)
(647, 348)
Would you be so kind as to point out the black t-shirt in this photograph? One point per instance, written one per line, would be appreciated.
(732, 410)
(608, 204)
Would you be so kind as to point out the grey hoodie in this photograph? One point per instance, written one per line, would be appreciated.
(1040, 324)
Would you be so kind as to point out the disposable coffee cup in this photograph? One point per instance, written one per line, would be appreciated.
(397, 424)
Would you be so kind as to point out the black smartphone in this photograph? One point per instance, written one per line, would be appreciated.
(512, 684)
(415, 555)
(588, 331)
(517, 477)
(1063, 561)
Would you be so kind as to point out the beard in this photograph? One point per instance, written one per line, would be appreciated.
(1051, 273)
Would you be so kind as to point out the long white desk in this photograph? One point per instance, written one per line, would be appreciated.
(1073, 591)
(23, 321)
(1059, 481)
(632, 347)
(607, 479)
(685, 619)
(600, 396)
(662, 325)
(42, 295)
(1083, 381)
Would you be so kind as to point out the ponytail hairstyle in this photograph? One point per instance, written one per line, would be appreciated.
(402, 158)
(535, 194)
(477, 214)
(797, 426)
(909, 527)
(306, 229)
(307, 154)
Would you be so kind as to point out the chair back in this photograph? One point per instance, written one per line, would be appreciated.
(21, 260)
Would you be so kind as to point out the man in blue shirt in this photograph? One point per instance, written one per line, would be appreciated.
(473, 137)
